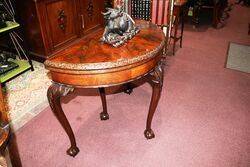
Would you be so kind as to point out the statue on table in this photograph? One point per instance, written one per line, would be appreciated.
(120, 27)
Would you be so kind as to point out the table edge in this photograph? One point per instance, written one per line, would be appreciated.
(104, 65)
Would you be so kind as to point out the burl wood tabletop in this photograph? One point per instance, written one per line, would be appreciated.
(90, 53)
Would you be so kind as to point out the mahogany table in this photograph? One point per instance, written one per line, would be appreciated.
(92, 64)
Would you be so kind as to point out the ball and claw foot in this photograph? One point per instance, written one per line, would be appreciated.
(104, 116)
(149, 134)
(73, 151)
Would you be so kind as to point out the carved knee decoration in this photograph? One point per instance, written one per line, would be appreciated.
(55, 92)
(155, 78)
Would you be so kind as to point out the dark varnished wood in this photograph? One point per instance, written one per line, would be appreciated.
(155, 79)
(104, 114)
(179, 7)
(4, 127)
(217, 7)
(52, 25)
(7, 137)
(128, 88)
(29, 17)
(3, 112)
(58, 32)
(91, 16)
(55, 92)
(92, 64)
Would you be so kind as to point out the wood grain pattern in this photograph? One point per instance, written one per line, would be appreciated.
(52, 25)
(90, 63)
(56, 35)
(4, 126)
(3, 111)
(79, 66)
(91, 17)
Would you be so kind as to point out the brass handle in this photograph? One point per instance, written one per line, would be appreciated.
(82, 21)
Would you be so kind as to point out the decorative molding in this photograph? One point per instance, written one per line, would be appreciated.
(105, 65)
(157, 73)
(56, 90)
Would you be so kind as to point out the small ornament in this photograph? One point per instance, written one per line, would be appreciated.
(120, 27)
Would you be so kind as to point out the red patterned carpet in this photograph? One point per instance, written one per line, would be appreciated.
(202, 120)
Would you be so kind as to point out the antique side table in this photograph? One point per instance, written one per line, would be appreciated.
(92, 64)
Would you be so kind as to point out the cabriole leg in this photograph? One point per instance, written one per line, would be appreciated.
(104, 114)
(55, 92)
(155, 79)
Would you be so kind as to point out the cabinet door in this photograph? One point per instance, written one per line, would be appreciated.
(91, 17)
(61, 22)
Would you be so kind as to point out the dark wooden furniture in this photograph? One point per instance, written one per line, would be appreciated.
(4, 126)
(217, 7)
(7, 137)
(179, 7)
(4, 137)
(91, 64)
(52, 25)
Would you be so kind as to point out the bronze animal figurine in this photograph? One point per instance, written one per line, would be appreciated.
(119, 28)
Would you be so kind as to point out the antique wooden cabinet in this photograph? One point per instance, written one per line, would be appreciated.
(51, 25)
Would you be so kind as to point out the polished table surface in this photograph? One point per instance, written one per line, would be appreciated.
(92, 64)
(101, 64)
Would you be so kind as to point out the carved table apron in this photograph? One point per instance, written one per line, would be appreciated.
(91, 64)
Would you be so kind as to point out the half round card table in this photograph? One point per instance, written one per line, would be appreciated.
(92, 64)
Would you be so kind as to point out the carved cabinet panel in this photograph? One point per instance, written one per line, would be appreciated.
(60, 22)
(91, 16)
(52, 25)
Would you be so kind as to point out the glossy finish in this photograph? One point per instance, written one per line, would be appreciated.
(155, 79)
(3, 115)
(90, 63)
(51, 25)
(55, 92)
(4, 127)
(59, 22)
(103, 65)
(91, 17)
(104, 114)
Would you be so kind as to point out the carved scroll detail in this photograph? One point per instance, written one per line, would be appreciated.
(155, 78)
(157, 74)
(55, 92)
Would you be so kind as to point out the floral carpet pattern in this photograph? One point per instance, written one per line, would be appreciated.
(26, 95)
